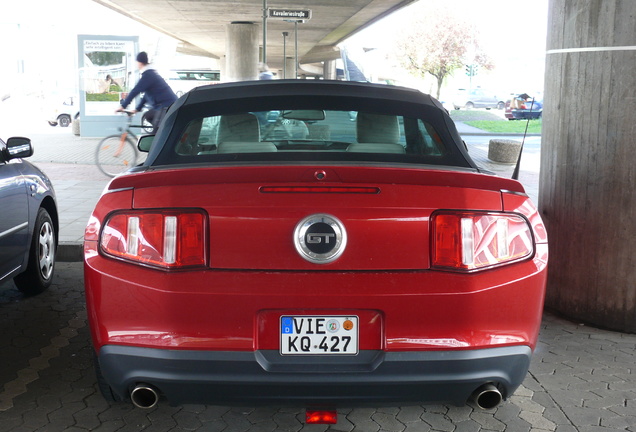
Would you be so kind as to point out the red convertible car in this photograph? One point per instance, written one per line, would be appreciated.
(312, 259)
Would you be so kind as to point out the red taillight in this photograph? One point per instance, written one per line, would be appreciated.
(160, 238)
(321, 417)
(476, 240)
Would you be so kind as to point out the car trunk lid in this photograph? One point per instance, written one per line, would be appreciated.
(256, 213)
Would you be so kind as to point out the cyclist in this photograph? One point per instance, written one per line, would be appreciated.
(157, 94)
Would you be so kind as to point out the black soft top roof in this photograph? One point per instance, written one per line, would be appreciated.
(316, 88)
(266, 95)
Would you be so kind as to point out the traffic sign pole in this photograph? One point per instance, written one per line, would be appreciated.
(264, 32)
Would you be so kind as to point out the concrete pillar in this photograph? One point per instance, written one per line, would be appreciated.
(329, 70)
(241, 51)
(290, 68)
(587, 193)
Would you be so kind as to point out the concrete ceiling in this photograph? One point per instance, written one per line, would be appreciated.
(199, 25)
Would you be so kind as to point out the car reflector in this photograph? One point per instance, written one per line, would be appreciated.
(159, 238)
(479, 240)
(321, 417)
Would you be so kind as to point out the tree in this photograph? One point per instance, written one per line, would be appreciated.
(437, 41)
(106, 58)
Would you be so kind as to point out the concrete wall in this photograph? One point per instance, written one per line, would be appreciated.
(587, 192)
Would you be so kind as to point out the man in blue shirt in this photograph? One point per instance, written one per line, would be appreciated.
(157, 93)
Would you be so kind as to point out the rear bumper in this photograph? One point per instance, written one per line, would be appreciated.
(266, 378)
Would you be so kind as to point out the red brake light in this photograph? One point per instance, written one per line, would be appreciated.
(476, 240)
(321, 417)
(160, 238)
(321, 189)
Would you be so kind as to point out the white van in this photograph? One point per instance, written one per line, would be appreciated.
(64, 113)
(183, 80)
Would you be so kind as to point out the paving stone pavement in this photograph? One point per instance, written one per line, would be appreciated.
(581, 379)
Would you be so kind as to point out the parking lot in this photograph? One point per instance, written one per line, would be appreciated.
(581, 379)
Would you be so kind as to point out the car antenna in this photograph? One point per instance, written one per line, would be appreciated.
(515, 173)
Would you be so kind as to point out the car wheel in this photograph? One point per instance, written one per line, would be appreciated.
(52, 123)
(501, 105)
(470, 105)
(39, 272)
(64, 120)
(106, 390)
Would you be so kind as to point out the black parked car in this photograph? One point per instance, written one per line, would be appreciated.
(29, 222)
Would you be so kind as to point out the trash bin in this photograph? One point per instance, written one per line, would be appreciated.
(504, 150)
(75, 127)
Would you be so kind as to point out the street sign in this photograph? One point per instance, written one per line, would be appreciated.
(290, 14)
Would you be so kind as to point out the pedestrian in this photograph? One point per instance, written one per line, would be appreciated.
(265, 73)
(158, 95)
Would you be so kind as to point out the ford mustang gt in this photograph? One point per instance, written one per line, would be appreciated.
(315, 243)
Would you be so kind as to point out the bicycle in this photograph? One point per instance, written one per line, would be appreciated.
(116, 153)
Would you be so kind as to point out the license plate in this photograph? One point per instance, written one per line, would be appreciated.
(313, 335)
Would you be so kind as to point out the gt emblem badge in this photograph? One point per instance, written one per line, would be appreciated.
(320, 238)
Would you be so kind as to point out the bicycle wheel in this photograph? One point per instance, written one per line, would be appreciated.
(114, 157)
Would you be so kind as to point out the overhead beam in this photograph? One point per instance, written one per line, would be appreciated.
(373, 12)
(200, 24)
(187, 47)
(321, 53)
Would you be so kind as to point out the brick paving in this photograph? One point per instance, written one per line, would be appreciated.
(581, 379)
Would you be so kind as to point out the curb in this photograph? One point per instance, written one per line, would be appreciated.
(70, 252)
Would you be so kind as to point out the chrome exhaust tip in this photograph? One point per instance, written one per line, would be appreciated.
(144, 396)
(487, 397)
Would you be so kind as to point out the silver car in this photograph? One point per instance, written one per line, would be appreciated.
(29, 222)
(477, 98)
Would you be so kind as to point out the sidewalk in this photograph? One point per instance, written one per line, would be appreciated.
(69, 161)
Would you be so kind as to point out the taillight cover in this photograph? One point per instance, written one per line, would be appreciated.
(471, 241)
(168, 239)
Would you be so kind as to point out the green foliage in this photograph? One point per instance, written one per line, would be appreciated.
(106, 58)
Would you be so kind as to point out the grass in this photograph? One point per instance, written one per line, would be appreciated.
(494, 121)
(102, 97)
(505, 126)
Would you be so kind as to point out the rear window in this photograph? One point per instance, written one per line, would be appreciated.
(310, 133)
